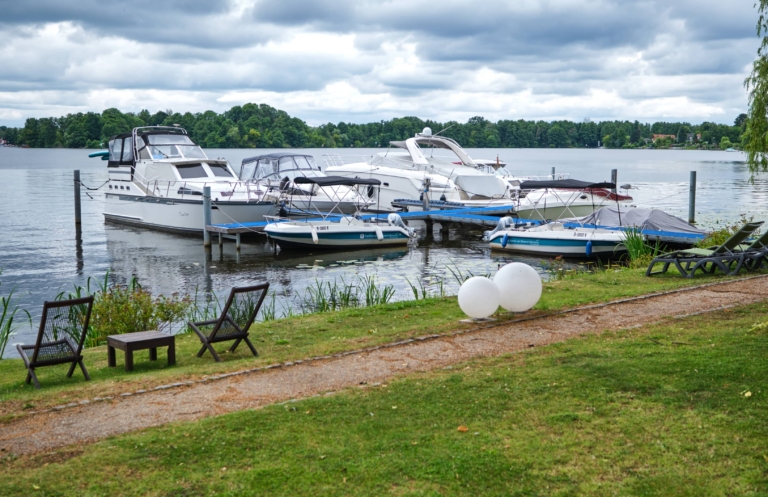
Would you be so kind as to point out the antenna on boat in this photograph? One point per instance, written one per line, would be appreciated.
(444, 129)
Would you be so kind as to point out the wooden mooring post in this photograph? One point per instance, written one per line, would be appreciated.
(614, 178)
(77, 198)
(206, 215)
(692, 199)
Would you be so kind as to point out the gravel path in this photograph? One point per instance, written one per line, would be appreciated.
(55, 429)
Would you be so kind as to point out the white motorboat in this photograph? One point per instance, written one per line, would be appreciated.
(337, 232)
(408, 173)
(555, 238)
(564, 198)
(156, 179)
(276, 172)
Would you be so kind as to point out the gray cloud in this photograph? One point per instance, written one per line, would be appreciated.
(391, 58)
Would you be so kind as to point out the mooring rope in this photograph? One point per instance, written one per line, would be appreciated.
(91, 189)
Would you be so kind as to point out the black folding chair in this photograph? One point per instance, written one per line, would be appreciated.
(60, 339)
(239, 312)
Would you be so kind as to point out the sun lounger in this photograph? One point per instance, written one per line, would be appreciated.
(728, 257)
(237, 316)
(756, 253)
(60, 338)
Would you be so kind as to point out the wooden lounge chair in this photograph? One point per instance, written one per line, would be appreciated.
(727, 257)
(237, 316)
(63, 327)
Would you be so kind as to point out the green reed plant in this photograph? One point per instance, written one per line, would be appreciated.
(269, 308)
(639, 252)
(8, 313)
(419, 293)
(203, 309)
(374, 294)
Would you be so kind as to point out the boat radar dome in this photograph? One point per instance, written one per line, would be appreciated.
(426, 132)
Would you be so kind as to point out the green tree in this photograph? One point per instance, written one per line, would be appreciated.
(755, 141)
(725, 143)
(557, 137)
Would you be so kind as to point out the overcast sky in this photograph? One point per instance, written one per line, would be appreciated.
(361, 61)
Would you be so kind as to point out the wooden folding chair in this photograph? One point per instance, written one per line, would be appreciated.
(63, 328)
(237, 316)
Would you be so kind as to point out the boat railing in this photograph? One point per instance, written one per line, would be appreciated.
(181, 189)
(342, 160)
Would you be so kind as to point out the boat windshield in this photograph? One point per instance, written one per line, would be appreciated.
(173, 147)
(272, 168)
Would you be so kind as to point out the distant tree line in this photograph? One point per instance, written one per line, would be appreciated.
(262, 126)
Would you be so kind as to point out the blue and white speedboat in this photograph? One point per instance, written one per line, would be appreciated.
(553, 239)
(338, 231)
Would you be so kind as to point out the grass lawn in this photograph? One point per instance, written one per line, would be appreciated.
(677, 408)
(300, 337)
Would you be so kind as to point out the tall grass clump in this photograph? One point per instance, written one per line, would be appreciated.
(327, 296)
(374, 294)
(639, 252)
(460, 276)
(8, 313)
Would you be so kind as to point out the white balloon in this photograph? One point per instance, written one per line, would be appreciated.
(478, 297)
(519, 286)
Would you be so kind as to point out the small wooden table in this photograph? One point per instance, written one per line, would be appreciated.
(141, 340)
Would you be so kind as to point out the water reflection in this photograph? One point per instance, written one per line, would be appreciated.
(37, 235)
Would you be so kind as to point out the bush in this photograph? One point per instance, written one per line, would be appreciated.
(127, 309)
(718, 237)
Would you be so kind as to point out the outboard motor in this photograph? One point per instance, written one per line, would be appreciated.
(505, 223)
(396, 220)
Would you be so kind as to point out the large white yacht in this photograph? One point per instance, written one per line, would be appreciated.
(278, 171)
(156, 179)
(408, 171)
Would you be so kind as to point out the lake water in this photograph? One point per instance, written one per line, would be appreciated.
(40, 255)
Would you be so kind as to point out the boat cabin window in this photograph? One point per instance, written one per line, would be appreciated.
(120, 151)
(173, 147)
(305, 162)
(128, 150)
(265, 168)
(247, 170)
(286, 164)
(191, 171)
(115, 149)
(220, 170)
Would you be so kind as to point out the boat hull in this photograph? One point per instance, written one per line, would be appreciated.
(334, 237)
(567, 243)
(180, 215)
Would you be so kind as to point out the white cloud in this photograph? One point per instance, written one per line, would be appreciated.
(364, 60)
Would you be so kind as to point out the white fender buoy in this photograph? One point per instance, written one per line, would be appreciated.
(314, 235)
(379, 233)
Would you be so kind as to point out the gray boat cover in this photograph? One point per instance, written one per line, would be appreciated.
(647, 219)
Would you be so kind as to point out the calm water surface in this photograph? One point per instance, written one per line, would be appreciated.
(40, 255)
